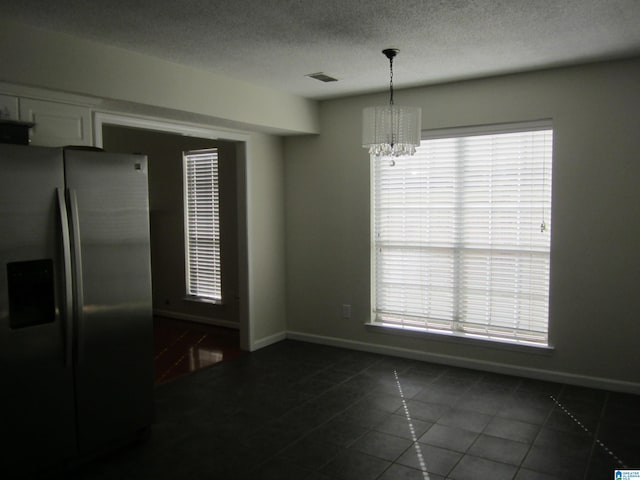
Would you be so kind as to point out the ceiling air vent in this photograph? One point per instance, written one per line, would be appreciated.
(323, 77)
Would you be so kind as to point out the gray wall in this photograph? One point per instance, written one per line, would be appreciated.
(164, 151)
(266, 239)
(595, 259)
(57, 61)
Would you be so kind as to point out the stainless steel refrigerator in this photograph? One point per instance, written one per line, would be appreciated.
(76, 341)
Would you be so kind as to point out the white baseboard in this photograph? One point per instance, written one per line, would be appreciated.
(196, 318)
(456, 361)
(266, 341)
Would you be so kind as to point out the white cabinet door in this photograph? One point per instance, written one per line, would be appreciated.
(57, 124)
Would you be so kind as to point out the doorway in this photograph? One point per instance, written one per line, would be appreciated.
(164, 149)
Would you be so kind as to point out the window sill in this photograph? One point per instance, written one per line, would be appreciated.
(190, 298)
(462, 339)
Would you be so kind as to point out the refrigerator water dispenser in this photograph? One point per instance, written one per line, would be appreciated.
(31, 293)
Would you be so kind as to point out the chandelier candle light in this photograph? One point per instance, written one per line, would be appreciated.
(391, 130)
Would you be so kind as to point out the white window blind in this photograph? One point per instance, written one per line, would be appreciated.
(461, 236)
(202, 224)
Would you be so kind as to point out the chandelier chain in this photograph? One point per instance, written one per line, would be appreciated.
(391, 81)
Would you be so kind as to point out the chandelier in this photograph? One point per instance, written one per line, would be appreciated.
(391, 130)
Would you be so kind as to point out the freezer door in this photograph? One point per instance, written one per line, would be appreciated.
(37, 399)
(110, 226)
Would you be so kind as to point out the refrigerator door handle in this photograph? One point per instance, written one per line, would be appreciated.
(78, 304)
(68, 283)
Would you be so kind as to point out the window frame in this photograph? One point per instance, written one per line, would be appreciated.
(209, 291)
(450, 333)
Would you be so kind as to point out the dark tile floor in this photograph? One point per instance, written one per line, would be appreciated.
(302, 411)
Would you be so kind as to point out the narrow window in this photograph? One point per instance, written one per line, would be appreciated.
(461, 235)
(202, 225)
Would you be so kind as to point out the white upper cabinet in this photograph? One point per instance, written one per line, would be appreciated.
(57, 124)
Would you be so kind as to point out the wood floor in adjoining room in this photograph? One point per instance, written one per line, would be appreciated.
(182, 347)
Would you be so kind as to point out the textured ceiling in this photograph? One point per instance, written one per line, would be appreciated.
(276, 43)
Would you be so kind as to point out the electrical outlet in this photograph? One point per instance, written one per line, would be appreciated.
(346, 311)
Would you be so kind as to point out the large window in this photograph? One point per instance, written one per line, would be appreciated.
(202, 225)
(461, 234)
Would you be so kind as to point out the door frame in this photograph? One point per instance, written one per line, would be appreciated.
(242, 141)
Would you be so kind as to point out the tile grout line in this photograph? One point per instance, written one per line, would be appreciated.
(596, 440)
(482, 432)
(416, 445)
(533, 441)
(322, 424)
